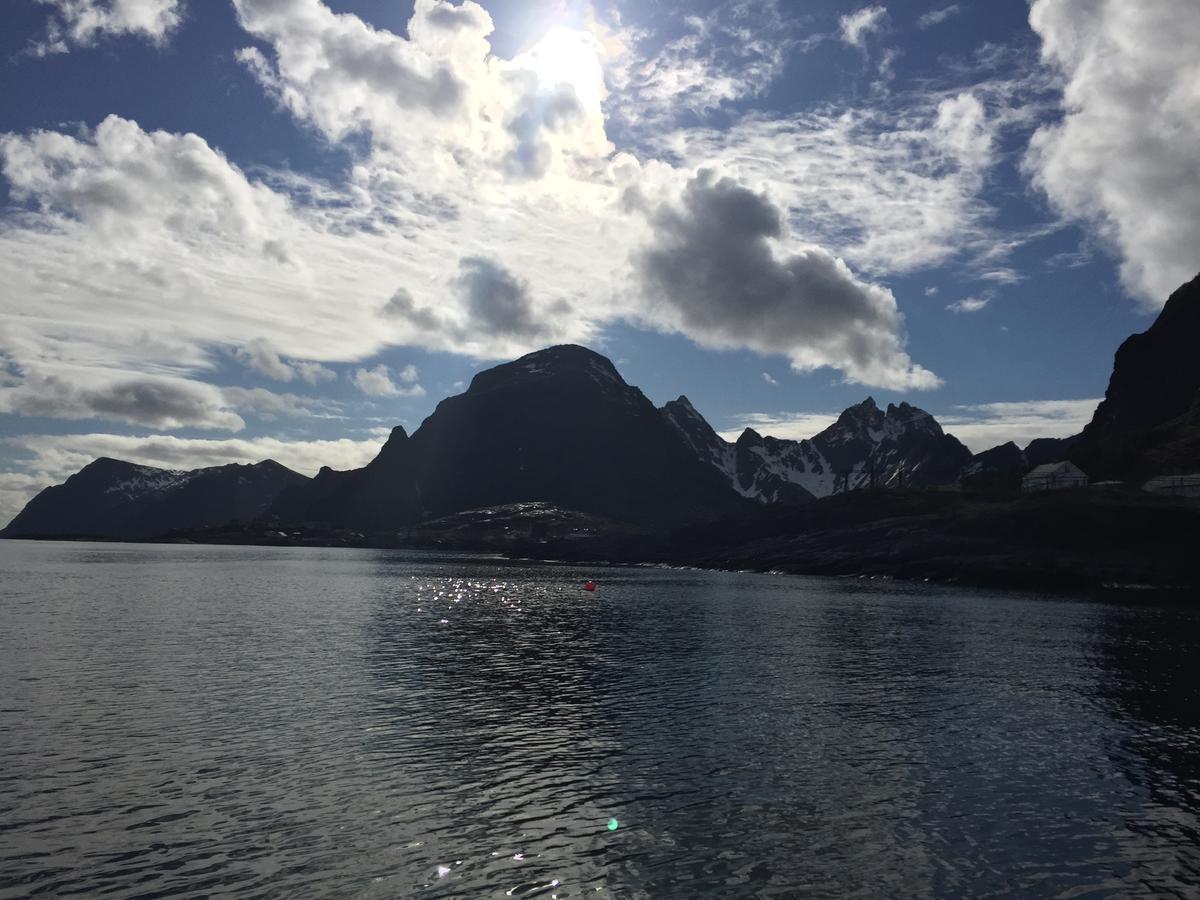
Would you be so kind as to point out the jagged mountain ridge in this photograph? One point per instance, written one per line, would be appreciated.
(902, 444)
(117, 499)
(559, 426)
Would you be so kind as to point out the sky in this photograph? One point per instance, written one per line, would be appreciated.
(233, 230)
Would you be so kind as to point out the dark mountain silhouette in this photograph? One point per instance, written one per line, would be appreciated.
(1000, 459)
(562, 427)
(559, 426)
(1049, 450)
(117, 499)
(902, 445)
(1009, 458)
(1149, 421)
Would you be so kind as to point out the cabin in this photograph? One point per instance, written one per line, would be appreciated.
(1174, 485)
(1054, 477)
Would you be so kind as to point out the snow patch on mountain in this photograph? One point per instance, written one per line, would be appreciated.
(866, 446)
(144, 480)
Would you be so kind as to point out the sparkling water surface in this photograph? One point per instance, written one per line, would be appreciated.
(202, 721)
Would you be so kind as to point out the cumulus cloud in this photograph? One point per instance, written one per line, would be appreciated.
(1123, 157)
(717, 264)
(938, 15)
(153, 402)
(377, 382)
(125, 184)
(857, 25)
(968, 304)
(47, 459)
(496, 299)
(84, 22)
(986, 425)
(313, 372)
(437, 99)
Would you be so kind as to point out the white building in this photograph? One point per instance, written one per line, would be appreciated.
(1054, 477)
(1174, 485)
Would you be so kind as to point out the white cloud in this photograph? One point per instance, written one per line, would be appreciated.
(269, 406)
(792, 426)
(1003, 275)
(438, 99)
(987, 425)
(51, 459)
(1123, 157)
(259, 356)
(890, 191)
(767, 377)
(931, 291)
(857, 25)
(735, 51)
(968, 304)
(938, 15)
(314, 373)
(84, 22)
(377, 382)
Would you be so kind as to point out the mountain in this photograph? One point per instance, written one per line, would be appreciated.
(902, 445)
(117, 499)
(1002, 459)
(559, 426)
(1149, 421)
(1049, 450)
(1010, 459)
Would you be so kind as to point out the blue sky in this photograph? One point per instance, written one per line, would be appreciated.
(232, 230)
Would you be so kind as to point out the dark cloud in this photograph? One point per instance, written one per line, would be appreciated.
(468, 16)
(401, 306)
(152, 402)
(713, 262)
(496, 300)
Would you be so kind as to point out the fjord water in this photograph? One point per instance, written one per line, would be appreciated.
(183, 720)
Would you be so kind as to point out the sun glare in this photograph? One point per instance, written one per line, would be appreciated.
(566, 56)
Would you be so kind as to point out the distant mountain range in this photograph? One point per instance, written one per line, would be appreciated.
(113, 498)
(561, 426)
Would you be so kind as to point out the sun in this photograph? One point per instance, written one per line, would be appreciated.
(567, 56)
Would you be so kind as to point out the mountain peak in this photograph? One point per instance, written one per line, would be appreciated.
(559, 360)
(750, 438)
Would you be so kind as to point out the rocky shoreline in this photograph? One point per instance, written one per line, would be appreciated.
(1086, 539)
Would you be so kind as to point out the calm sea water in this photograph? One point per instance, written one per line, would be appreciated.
(188, 721)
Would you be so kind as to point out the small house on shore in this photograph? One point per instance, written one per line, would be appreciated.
(1054, 477)
(1174, 485)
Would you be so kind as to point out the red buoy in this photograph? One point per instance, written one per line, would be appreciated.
(590, 586)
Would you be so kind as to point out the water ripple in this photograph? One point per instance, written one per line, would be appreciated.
(178, 721)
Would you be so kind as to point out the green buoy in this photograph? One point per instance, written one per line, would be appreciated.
(613, 824)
